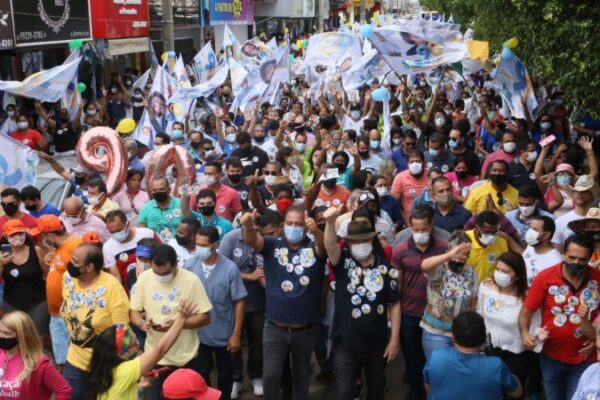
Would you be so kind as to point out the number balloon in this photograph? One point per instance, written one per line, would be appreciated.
(166, 156)
(102, 150)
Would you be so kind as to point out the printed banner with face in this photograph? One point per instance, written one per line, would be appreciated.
(205, 63)
(368, 67)
(204, 89)
(254, 52)
(326, 48)
(512, 81)
(50, 21)
(18, 163)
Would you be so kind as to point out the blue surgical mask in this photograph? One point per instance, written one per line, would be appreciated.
(301, 147)
(120, 236)
(434, 152)
(294, 234)
(452, 143)
(563, 180)
(355, 115)
(176, 134)
(375, 144)
(203, 253)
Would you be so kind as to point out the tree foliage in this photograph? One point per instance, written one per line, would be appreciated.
(559, 39)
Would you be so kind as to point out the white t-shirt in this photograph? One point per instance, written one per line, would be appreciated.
(536, 263)
(349, 123)
(268, 146)
(562, 230)
(182, 253)
(113, 248)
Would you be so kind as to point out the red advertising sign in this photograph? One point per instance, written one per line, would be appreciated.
(115, 19)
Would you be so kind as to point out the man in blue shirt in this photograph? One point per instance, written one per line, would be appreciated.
(463, 372)
(225, 289)
(448, 214)
(521, 217)
(294, 268)
(400, 156)
(32, 200)
(207, 201)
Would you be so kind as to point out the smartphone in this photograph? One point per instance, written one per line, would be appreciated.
(5, 248)
(547, 140)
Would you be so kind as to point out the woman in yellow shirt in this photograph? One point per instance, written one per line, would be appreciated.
(116, 367)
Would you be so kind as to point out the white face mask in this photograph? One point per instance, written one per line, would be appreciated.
(415, 168)
(397, 141)
(270, 179)
(440, 122)
(121, 236)
(382, 191)
(230, 137)
(22, 125)
(487, 239)
(73, 220)
(361, 251)
(527, 210)
(163, 278)
(502, 279)
(509, 147)
(421, 238)
(532, 156)
(532, 237)
(93, 200)
(209, 180)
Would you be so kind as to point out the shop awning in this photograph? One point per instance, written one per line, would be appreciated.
(127, 46)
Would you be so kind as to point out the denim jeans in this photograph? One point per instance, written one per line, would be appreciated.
(60, 339)
(254, 324)
(219, 356)
(433, 341)
(154, 391)
(560, 379)
(277, 342)
(348, 366)
(76, 378)
(412, 349)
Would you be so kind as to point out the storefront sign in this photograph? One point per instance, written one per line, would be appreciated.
(50, 21)
(114, 19)
(240, 12)
(7, 34)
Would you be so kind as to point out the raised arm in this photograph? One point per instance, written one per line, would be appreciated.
(42, 113)
(251, 236)
(431, 263)
(56, 166)
(331, 244)
(586, 144)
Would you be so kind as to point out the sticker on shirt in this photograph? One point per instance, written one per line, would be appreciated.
(305, 280)
(356, 313)
(361, 291)
(177, 213)
(560, 320)
(237, 252)
(123, 257)
(355, 300)
(429, 164)
(289, 268)
(492, 258)
(157, 296)
(393, 273)
(380, 309)
(366, 309)
(164, 233)
(282, 255)
(287, 286)
(165, 310)
(307, 257)
(412, 193)
(373, 281)
(351, 288)
(298, 270)
(590, 297)
(336, 202)
(14, 273)
(222, 208)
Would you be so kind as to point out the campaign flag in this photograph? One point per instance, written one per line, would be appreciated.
(229, 40)
(49, 85)
(326, 48)
(141, 82)
(254, 52)
(205, 63)
(512, 81)
(368, 67)
(18, 163)
(71, 98)
(204, 89)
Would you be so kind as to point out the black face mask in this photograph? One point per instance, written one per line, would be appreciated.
(195, 145)
(160, 196)
(341, 168)
(182, 240)
(63, 120)
(10, 209)
(576, 268)
(31, 208)
(234, 178)
(461, 174)
(259, 139)
(363, 154)
(498, 179)
(79, 180)
(207, 211)
(73, 270)
(8, 343)
(455, 266)
(330, 183)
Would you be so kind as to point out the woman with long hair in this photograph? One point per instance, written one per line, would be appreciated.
(24, 285)
(131, 198)
(26, 373)
(116, 367)
(499, 302)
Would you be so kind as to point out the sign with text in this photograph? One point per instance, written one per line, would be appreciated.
(7, 34)
(50, 21)
(116, 19)
(233, 12)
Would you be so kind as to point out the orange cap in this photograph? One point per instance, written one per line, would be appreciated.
(47, 223)
(13, 226)
(91, 237)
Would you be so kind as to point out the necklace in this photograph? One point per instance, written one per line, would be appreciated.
(56, 26)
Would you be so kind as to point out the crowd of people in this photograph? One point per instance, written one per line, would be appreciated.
(466, 240)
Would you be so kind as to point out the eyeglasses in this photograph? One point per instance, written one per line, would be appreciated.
(209, 149)
(8, 204)
(366, 196)
(274, 173)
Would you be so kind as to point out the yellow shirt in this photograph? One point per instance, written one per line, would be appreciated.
(108, 205)
(477, 198)
(484, 259)
(160, 301)
(88, 312)
(125, 381)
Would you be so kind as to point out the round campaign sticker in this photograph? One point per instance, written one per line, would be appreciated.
(559, 299)
(429, 164)
(298, 269)
(556, 310)
(336, 202)
(560, 320)
(237, 252)
(569, 310)
(393, 285)
(393, 273)
(383, 269)
(123, 257)
(573, 301)
(371, 296)
(553, 290)
(575, 319)
(358, 271)
(254, 159)
(365, 308)
(578, 333)
(361, 291)
(287, 286)
(165, 310)
(564, 290)
(356, 313)
(444, 168)
(355, 280)
(14, 273)
(355, 299)
(156, 296)
(305, 280)
(374, 281)
(351, 288)
(448, 303)
(289, 268)
(380, 309)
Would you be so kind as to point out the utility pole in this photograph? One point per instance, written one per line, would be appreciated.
(363, 13)
(168, 32)
(320, 15)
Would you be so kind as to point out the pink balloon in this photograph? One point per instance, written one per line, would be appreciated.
(166, 156)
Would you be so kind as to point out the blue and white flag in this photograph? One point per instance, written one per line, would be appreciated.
(326, 48)
(18, 163)
(204, 89)
(205, 63)
(512, 81)
(71, 99)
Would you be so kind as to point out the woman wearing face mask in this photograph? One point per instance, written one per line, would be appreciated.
(117, 367)
(24, 284)
(27, 373)
(115, 101)
(387, 202)
(451, 289)
(366, 296)
(288, 158)
(28, 137)
(461, 178)
(10, 123)
(93, 301)
(131, 198)
(499, 301)
(93, 116)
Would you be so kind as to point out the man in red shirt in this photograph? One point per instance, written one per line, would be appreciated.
(10, 199)
(28, 137)
(228, 199)
(568, 297)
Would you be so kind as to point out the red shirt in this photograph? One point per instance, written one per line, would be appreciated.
(30, 137)
(559, 301)
(27, 219)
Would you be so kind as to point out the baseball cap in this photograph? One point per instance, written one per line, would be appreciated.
(185, 383)
(564, 167)
(47, 223)
(143, 251)
(583, 183)
(13, 226)
(91, 237)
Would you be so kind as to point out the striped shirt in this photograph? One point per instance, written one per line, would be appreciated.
(407, 258)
